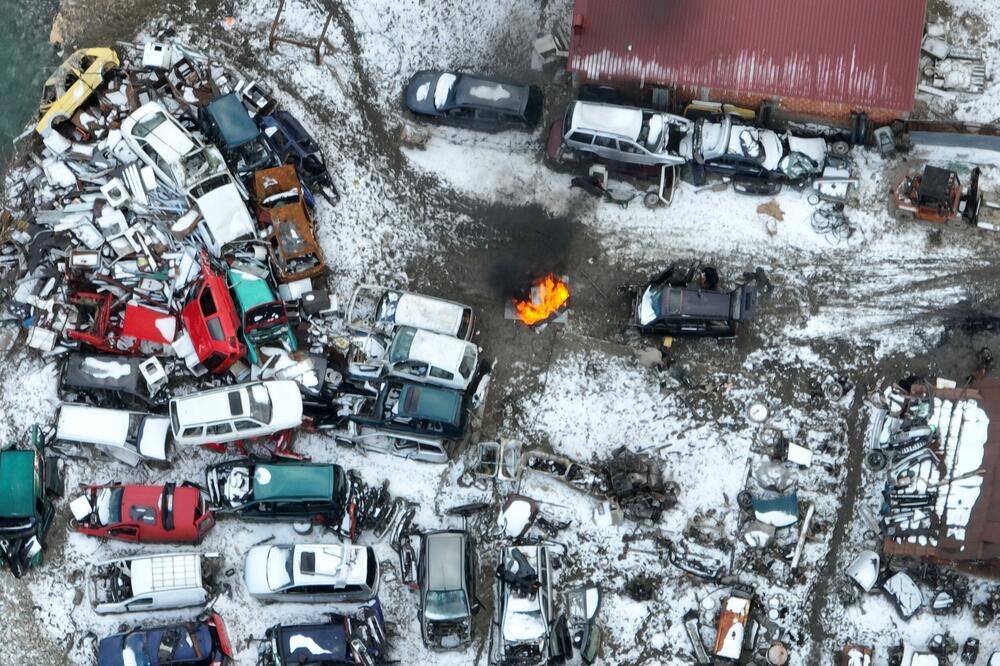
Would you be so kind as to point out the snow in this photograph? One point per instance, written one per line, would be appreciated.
(493, 93)
(442, 89)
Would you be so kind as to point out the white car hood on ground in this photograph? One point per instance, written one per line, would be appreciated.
(226, 215)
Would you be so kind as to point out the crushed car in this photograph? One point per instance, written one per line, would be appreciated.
(72, 84)
(473, 101)
(378, 309)
(142, 514)
(263, 317)
(294, 145)
(227, 123)
(210, 339)
(358, 638)
(146, 583)
(284, 216)
(198, 643)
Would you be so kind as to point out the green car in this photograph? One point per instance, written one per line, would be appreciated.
(263, 320)
(28, 482)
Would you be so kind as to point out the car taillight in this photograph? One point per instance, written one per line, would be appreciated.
(220, 630)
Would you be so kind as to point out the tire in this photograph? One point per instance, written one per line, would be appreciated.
(651, 200)
(877, 460)
(840, 148)
(303, 527)
(745, 500)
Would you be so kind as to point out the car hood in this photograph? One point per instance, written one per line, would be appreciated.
(286, 404)
(226, 214)
(153, 443)
(420, 92)
(255, 570)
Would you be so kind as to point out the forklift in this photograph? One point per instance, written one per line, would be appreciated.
(936, 196)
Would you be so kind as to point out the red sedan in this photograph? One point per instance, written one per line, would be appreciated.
(142, 514)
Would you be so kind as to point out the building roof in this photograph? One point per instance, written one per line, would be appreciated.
(855, 52)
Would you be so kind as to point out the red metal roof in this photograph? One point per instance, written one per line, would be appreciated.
(859, 52)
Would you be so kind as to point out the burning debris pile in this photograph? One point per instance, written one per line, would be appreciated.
(547, 301)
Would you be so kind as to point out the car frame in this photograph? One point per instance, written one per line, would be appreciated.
(376, 309)
(235, 412)
(447, 564)
(317, 573)
(284, 216)
(533, 608)
(623, 133)
(303, 493)
(345, 639)
(64, 104)
(144, 583)
(474, 101)
(142, 514)
(210, 635)
(294, 145)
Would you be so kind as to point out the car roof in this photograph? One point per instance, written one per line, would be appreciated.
(102, 371)
(17, 484)
(110, 649)
(314, 642)
(697, 303)
(249, 289)
(443, 351)
(294, 480)
(619, 120)
(445, 557)
(168, 139)
(430, 402)
(291, 125)
(212, 406)
(339, 564)
(185, 500)
(232, 120)
(169, 571)
(428, 312)
(473, 90)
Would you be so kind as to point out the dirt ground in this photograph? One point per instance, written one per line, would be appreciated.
(482, 252)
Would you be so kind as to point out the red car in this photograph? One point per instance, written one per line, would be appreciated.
(121, 330)
(210, 321)
(142, 514)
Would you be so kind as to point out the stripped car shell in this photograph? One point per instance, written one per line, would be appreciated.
(148, 583)
(72, 84)
(263, 318)
(625, 134)
(417, 355)
(732, 628)
(294, 145)
(142, 514)
(128, 437)
(227, 123)
(105, 379)
(198, 643)
(282, 211)
(358, 638)
(378, 309)
(210, 321)
(523, 607)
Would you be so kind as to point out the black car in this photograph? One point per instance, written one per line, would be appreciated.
(416, 409)
(294, 145)
(190, 643)
(345, 639)
(473, 101)
(446, 576)
(690, 302)
(289, 492)
(108, 380)
(226, 122)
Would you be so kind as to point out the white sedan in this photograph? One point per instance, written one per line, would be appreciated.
(238, 412)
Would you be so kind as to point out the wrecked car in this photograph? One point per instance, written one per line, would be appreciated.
(29, 482)
(346, 639)
(625, 134)
(377, 309)
(294, 145)
(731, 148)
(301, 493)
(114, 327)
(690, 302)
(329, 573)
(211, 325)
(238, 412)
(263, 318)
(149, 582)
(128, 437)
(446, 577)
(72, 84)
(417, 355)
(198, 643)
(142, 514)
(226, 122)
(732, 628)
(523, 615)
(473, 101)
(108, 380)
(282, 212)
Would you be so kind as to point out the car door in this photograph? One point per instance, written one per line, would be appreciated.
(607, 147)
(124, 533)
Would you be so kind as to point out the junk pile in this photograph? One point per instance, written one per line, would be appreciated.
(947, 68)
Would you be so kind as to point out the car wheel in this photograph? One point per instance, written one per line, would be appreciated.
(745, 500)
(840, 148)
(302, 527)
(651, 200)
(876, 460)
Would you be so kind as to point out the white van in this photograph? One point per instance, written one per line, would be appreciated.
(149, 583)
(375, 309)
(236, 412)
(129, 437)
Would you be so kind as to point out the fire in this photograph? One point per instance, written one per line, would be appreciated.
(548, 296)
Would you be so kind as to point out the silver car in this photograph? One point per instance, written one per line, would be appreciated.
(625, 134)
(446, 575)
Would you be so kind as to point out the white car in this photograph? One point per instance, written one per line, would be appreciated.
(148, 583)
(193, 170)
(236, 412)
(377, 309)
(129, 437)
(332, 573)
(418, 355)
(625, 134)
(523, 605)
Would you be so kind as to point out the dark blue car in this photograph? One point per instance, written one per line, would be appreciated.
(226, 122)
(191, 644)
(345, 639)
(294, 145)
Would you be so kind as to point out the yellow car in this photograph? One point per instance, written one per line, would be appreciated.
(72, 83)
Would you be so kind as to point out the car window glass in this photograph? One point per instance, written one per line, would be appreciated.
(629, 147)
(245, 424)
(605, 142)
(279, 140)
(207, 303)
(219, 429)
(580, 137)
(143, 514)
(441, 374)
(215, 329)
(194, 431)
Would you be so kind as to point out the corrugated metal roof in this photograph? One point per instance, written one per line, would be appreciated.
(859, 52)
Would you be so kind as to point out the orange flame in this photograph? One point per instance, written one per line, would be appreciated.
(548, 296)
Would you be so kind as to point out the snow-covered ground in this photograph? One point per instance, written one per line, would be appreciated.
(422, 216)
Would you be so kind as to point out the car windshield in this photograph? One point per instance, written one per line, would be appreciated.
(279, 567)
(400, 349)
(109, 505)
(447, 605)
(196, 164)
(265, 323)
(147, 125)
(649, 306)
(204, 187)
(260, 403)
